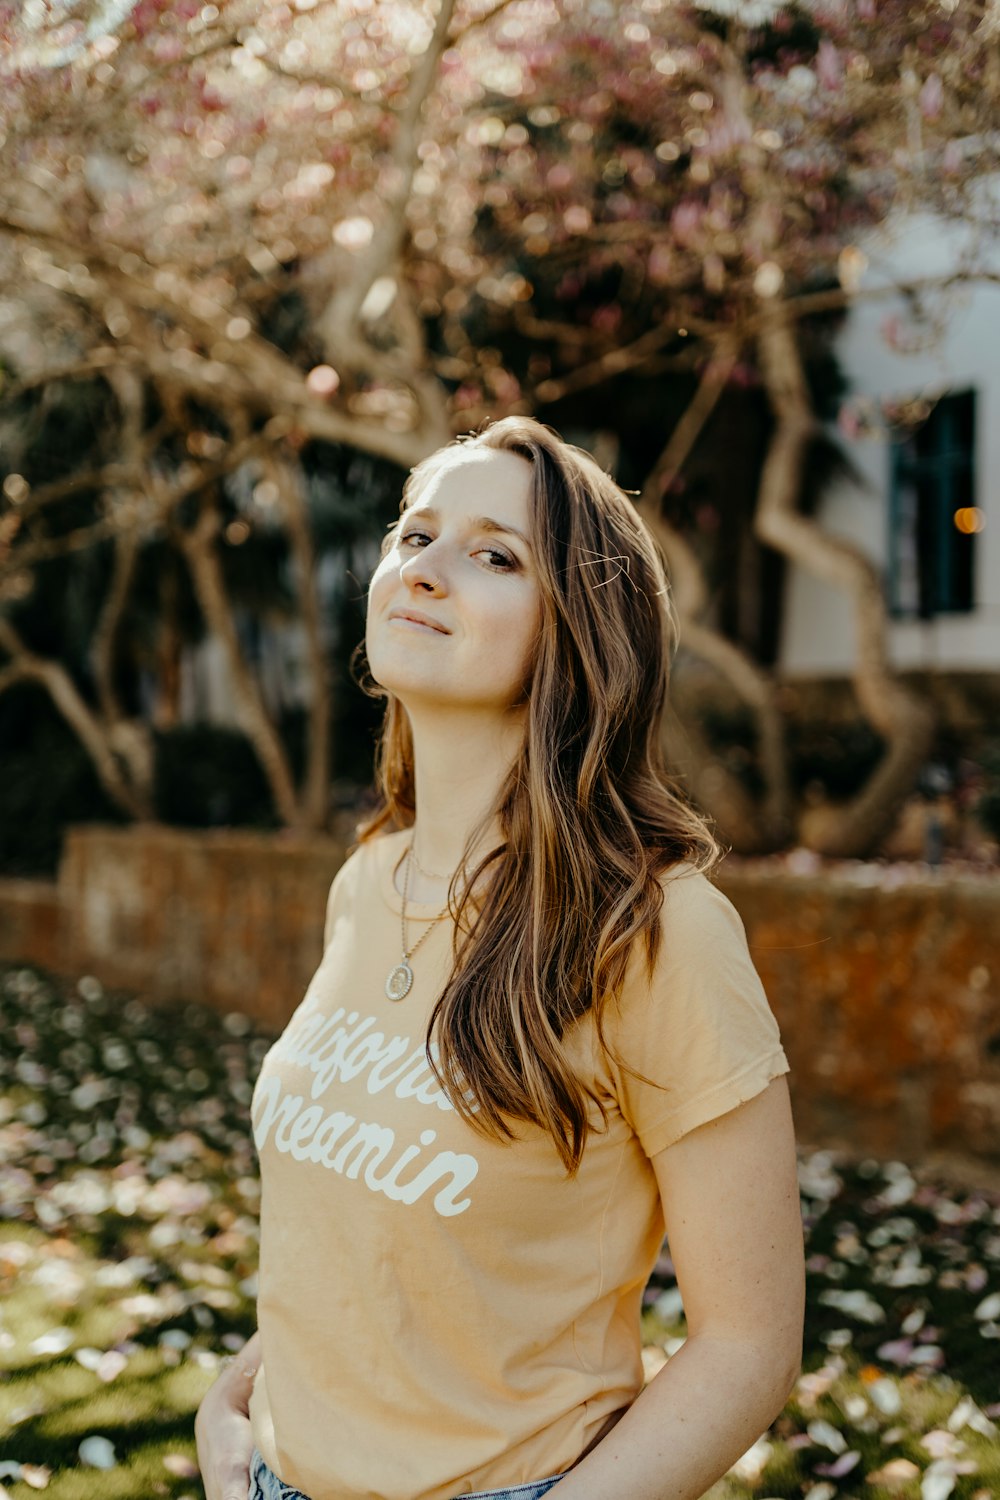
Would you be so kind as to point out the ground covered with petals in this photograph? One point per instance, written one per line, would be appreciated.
(128, 1255)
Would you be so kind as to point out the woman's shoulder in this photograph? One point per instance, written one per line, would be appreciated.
(367, 860)
(698, 941)
(362, 872)
(691, 896)
(699, 1024)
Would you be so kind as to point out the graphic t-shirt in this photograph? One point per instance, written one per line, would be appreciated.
(441, 1313)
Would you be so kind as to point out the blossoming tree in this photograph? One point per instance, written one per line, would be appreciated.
(433, 187)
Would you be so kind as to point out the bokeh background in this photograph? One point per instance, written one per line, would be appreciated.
(256, 261)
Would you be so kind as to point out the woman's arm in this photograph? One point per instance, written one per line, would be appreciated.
(731, 1204)
(222, 1427)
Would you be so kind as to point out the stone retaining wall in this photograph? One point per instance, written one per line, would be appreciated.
(231, 918)
(32, 924)
(888, 1000)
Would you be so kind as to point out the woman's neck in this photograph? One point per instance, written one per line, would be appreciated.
(460, 763)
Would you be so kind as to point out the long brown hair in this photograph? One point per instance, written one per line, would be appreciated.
(589, 815)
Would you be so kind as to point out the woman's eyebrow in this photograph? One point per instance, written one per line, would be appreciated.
(477, 523)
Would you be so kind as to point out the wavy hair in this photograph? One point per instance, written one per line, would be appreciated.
(589, 816)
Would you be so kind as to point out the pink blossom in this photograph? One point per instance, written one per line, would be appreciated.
(685, 221)
(829, 67)
(841, 1466)
(896, 1351)
(848, 421)
(659, 263)
(932, 97)
(951, 159)
(742, 376)
(168, 48)
(891, 330)
(607, 319)
(467, 395)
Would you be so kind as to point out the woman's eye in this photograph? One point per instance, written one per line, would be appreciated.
(497, 559)
(502, 561)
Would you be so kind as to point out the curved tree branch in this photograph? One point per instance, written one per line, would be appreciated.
(290, 481)
(264, 380)
(338, 323)
(198, 545)
(902, 720)
(745, 824)
(95, 737)
(131, 737)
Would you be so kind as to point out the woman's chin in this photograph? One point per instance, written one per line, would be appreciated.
(433, 705)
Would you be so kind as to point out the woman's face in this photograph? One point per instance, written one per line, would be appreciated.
(454, 606)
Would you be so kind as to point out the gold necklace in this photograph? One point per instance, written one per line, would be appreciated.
(400, 980)
(428, 874)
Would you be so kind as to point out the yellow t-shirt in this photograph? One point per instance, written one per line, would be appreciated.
(441, 1313)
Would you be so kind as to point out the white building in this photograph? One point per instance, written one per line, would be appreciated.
(927, 509)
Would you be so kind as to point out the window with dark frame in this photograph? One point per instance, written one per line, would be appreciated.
(932, 515)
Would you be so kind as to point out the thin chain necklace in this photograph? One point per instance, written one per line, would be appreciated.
(428, 874)
(400, 980)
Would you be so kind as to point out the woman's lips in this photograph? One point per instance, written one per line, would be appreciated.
(418, 623)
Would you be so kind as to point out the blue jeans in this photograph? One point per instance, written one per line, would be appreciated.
(265, 1485)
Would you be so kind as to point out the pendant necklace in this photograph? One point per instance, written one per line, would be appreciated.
(400, 980)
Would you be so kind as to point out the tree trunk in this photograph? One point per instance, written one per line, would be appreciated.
(856, 827)
(95, 737)
(748, 826)
(290, 481)
(169, 647)
(712, 785)
(206, 574)
(129, 738)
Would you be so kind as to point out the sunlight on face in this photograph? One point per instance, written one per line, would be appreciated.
(454, 606)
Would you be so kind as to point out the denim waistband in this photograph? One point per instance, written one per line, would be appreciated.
(265, 1485)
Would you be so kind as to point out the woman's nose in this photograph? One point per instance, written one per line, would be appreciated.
(423, 572)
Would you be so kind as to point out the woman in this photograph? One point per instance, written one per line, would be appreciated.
(535, 1041)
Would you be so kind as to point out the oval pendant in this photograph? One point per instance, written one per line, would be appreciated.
(397, 986)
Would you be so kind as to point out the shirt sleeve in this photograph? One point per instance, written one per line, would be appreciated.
(701, 1029)
(334, 900)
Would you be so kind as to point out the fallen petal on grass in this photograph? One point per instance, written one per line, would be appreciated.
(128, 1268)
(181, 1465)
(36, 1475)
(826, 1436)
(989, 1308)
(894, 1475)
(97, 1453)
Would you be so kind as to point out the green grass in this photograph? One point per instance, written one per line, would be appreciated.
(128, 1255)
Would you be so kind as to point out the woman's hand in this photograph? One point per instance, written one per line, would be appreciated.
(222, 1428)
